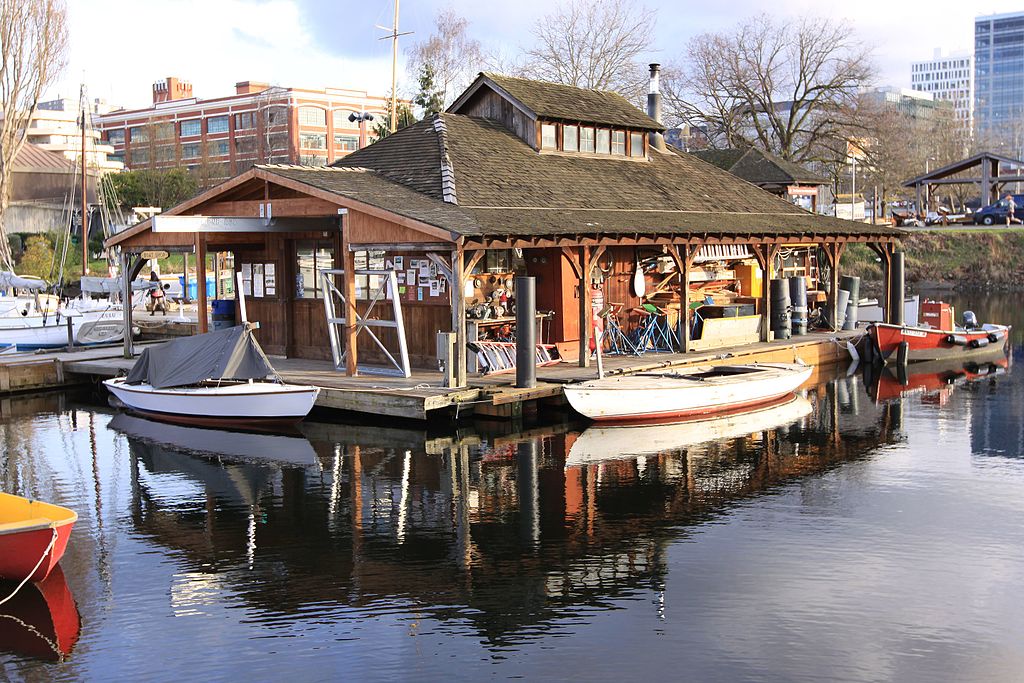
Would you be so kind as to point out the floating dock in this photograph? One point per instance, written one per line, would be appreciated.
(421, 397)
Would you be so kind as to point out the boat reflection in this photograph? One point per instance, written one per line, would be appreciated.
(934, 381)
(458, 523)
(41, 620)
(614, 443)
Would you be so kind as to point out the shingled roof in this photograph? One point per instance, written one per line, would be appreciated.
(562, 102)
(760, 167)
(505, 188)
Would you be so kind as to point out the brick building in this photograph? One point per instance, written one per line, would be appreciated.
(220, 137)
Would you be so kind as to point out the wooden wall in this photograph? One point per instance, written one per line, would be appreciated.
(487, 104)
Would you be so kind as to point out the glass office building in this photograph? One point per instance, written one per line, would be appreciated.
(998, 72)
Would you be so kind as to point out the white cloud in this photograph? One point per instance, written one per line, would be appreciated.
(120, 48)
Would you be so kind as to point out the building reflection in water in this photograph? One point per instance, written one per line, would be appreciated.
(506, 533)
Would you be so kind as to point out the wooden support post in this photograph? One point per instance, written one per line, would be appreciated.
(586, 316)
(348, 286)
(460, 270)
(126, 302)
(765, 253)
(201, 307)
(834, 253)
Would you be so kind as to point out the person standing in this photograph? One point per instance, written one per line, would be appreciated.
(156, 294)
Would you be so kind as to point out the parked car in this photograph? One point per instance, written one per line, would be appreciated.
(996, 213)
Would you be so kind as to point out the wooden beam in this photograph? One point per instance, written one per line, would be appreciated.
(348, 258)
(461, 272)
(293, 207)
(474, 258)
(573, 259)
(585, 314)
(202, 308)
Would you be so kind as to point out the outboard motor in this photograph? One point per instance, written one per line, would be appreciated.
(970, 321)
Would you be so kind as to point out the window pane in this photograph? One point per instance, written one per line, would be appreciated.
(619, 142)
(217, 124)
(243, 121)
(570, 138)
(341, 119)
(313, 140)
(311, 258)
(218, 148)
(636, 144)
(548, 138)
(587, 140)
(116, 136)
(193, 127)
(190, 151)
(138, 134)
(604, 138)
(312, 116)
(346, 143)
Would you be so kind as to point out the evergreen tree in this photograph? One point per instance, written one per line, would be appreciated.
(430, 98)
(382, 125)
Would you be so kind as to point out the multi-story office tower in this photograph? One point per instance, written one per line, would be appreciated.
(998, 73)
(949, 78)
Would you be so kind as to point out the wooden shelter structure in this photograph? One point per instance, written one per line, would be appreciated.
(990, 172)
(572, 186)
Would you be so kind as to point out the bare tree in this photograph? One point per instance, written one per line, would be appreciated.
(450, 52)
(781, 86)
(594, 45)
(33, 47)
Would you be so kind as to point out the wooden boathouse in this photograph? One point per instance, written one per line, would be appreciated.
(574, 187)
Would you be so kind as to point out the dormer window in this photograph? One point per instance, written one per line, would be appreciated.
(604, 141)
(570, 138)
(636, 144)
(548, 136)
(619, 143)
(587, 140)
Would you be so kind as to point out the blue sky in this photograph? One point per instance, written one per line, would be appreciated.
(120, 47)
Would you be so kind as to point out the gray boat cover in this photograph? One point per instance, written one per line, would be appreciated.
(230, 354)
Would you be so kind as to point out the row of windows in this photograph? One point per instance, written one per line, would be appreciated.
(348, 143)
(193, 127)
(315, 116)
(933, 66)
(590, 140)
(939, 76)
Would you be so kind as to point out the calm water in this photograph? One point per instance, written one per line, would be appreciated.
(863, 533)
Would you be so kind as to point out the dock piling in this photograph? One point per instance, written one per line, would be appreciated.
(526, 332)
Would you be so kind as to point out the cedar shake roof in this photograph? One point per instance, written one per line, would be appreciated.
(565, 102)
(505, 188)
(760, 167)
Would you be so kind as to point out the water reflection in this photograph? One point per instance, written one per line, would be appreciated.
(459, 524)
(41, 621)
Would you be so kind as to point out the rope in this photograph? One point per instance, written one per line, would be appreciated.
(49, 546)
(32, 629)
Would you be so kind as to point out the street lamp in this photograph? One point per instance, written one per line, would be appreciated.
(362, 117)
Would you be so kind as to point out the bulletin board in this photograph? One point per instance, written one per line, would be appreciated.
(419, 280)
(260, 279)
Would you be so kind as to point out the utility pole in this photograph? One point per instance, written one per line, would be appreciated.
(394, 67)
(85, 199)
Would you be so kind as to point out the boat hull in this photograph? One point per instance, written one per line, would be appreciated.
(41, 620)
(635, 398)
(258, 406)
(924, 344)
(25, 532)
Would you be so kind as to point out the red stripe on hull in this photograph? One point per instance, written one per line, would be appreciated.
(20, 550)
(670, 416)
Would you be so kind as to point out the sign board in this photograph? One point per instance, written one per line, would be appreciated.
(162, 223)
(153, 255)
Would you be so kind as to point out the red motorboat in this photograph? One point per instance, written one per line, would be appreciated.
(937, 338)
(33, 537)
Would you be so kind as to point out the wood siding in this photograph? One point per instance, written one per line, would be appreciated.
(487, 104)
(366, 229)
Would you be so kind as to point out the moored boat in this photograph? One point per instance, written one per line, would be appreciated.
(685, 393)
(33, 537)
(938, 338)
(221, 378)
(599, 443)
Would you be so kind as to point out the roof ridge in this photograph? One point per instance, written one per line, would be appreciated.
(492, 74)
(302, 167)
(447, 170)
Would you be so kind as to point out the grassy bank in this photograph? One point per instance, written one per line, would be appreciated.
(961, 259)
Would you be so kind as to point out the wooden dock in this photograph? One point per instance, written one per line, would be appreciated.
(421, 397)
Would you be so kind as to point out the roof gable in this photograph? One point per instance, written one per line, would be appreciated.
(541, 99)
(759, 167)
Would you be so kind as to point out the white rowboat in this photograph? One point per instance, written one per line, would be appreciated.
(601, 443)
(686, 393)
(238, 404)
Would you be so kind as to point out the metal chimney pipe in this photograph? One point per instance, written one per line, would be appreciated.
(654, 105)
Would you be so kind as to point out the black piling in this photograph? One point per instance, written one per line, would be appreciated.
(897, 285)
(526, 332)
(780, 308)
(798, 298)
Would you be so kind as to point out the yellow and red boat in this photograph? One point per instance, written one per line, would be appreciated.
(33, 537)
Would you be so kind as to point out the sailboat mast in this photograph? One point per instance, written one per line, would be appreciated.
(394, 70)
(85, 199)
